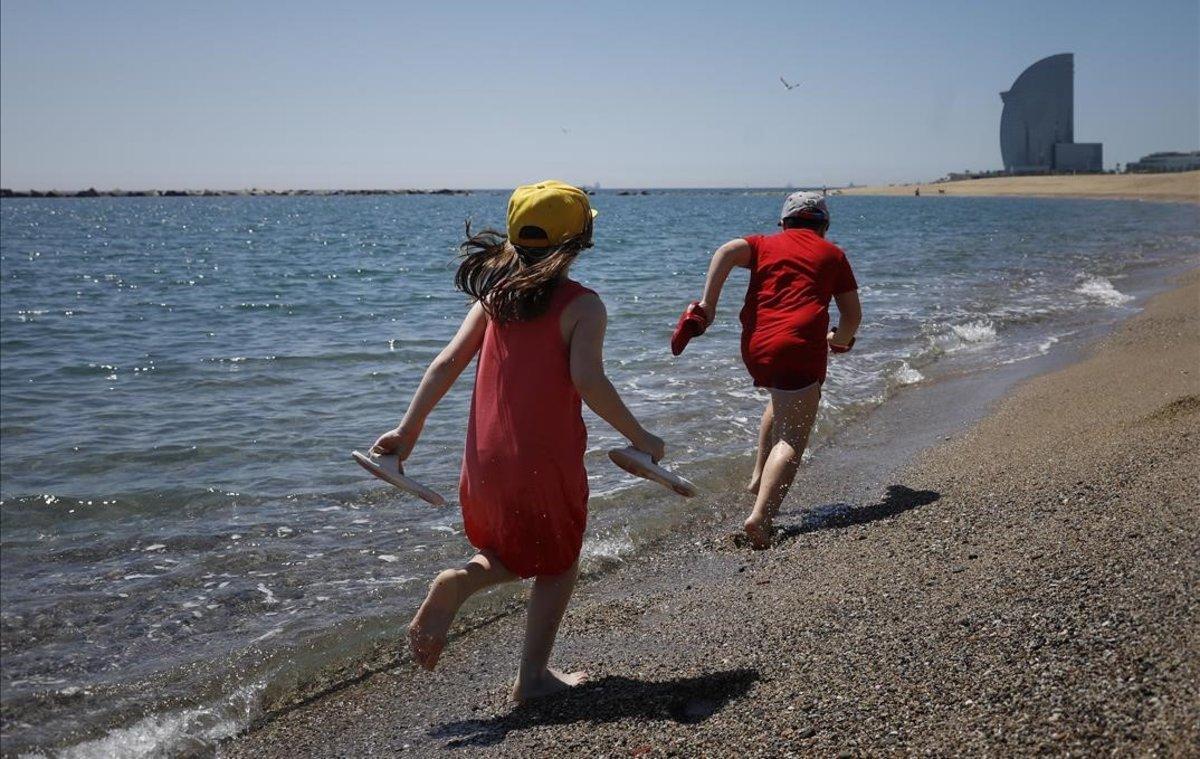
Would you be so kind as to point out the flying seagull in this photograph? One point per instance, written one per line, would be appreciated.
(565, 130)
(789, 87)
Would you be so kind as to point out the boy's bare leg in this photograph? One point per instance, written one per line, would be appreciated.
(428, 630)
(547, 603)
(766, 438)
(795, 413)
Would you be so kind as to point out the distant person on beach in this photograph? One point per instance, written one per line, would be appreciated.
(786, 338)
(523, 490)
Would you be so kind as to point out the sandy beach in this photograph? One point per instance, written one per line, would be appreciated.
(239, 245)
(1029, 584)
(1182, 186)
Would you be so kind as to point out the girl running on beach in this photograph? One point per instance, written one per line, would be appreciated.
(524, 490)
(786, 337)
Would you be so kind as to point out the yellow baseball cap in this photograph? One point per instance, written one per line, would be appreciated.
(547, 214)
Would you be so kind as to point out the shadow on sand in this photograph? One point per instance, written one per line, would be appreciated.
(687, 700)
(835, 516)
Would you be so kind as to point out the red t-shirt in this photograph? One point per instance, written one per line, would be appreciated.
(793, 276)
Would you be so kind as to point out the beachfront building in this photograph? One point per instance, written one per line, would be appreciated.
(1037, 126)
(1161, 162)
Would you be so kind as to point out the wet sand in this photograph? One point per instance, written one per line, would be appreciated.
(1182, 186)
(1029, 585)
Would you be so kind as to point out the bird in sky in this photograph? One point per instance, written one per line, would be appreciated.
(789, 87)
(565, 130)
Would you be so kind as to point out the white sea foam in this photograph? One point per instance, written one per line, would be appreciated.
(612, 547)
(975, 332)
(906, 375)
(1047, 344)
(374, 581)
(171, 733)
(967, 335)
(1100, 289)
(617, 488)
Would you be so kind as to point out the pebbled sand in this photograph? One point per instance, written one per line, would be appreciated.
(1182, 186)
(1031, 586)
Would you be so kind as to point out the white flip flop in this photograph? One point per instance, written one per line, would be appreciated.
(638, 463)
(387, 468)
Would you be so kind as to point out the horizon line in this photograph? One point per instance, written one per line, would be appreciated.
(208, 191)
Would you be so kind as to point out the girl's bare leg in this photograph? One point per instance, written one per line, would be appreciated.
(766, 438)
(428, 630)
(547, 603)
(795, 412)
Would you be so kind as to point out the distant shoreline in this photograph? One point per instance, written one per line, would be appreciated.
(1180, 186)
(92, 192)
(1171, 187)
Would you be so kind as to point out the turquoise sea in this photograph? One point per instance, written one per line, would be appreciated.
(184, 538)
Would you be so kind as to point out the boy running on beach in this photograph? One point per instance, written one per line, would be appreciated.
(786, 337)
(523, 489)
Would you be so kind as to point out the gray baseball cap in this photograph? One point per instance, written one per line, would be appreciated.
(806, 205)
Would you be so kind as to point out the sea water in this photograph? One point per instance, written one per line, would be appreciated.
(185, 537)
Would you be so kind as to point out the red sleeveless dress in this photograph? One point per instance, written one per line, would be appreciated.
(524, 488)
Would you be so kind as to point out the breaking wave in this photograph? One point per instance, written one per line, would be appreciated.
(1102, 290)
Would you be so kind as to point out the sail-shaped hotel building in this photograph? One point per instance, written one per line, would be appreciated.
(1037, 126)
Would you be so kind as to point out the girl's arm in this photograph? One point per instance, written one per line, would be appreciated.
(733, 253)
(439, 377)
(587, 374)
(849, 317)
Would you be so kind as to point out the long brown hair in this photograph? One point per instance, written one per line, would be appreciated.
(514, 283)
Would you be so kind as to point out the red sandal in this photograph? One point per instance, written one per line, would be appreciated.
(692, 323)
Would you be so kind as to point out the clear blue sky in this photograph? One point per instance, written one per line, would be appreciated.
(466, 94)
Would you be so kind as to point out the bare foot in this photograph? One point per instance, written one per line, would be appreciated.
(752, 486)
(428, 629)
(551, 682)
(758, 531)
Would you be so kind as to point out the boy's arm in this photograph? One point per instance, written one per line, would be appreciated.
(849, 317)
(439, 377)
(587, 374)
(733, 253)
